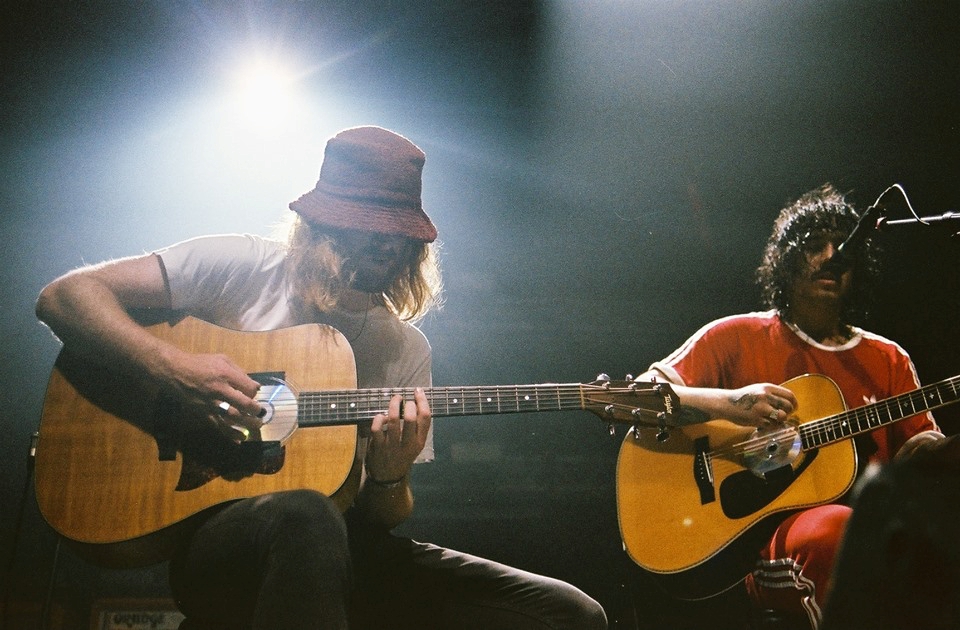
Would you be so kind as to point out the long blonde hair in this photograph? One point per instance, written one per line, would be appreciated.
(315, 265)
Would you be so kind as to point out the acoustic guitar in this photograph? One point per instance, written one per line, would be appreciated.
(120, 470)
(696, 507)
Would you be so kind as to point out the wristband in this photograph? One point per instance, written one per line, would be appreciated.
(393, 483)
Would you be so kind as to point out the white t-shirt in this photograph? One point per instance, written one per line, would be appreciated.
(239, 282)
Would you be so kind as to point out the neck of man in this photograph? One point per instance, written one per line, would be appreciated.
(820, 321)
(356, 301)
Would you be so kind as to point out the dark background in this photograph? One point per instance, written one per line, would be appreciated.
(603, 175)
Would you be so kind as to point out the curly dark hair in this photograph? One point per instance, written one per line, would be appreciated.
(822, 211)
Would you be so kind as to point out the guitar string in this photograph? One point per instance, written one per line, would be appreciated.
(828, 427)
(842, 423)
(466, 400)
(848, 423)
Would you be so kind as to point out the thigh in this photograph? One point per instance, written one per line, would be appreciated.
(236, 559)
(423, 586)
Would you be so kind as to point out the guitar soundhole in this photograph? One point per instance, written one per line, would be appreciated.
(769, 450)
(279, 402)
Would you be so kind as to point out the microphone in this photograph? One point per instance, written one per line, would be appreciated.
(867, 224)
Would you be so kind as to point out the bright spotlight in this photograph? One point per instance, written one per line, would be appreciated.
(264, 99)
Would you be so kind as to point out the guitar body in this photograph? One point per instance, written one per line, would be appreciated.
(699, 545)
(108, 477)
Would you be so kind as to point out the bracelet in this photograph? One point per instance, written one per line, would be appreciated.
(393, 483)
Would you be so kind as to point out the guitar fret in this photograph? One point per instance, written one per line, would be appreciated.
(831, 430)
(907, 408)
(917, 401)
(885, 408)
(532, 402)
(813, 432)
(845, 429)
(446, 400)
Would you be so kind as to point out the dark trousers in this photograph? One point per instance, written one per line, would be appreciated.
(290, 560)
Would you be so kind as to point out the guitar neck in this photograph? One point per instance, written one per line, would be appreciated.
(325, 408)
(867, 418)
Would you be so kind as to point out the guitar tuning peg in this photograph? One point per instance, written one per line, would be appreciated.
(663, 433)
(611, 429)
(609, 410)
(628, 377)
(635, 432)
(603, 378)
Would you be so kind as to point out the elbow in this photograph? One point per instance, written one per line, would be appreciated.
(50, 307)
(43, 308)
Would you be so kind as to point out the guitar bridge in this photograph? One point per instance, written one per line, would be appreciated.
(702, 471)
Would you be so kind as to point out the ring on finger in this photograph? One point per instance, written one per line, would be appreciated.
(774, 415)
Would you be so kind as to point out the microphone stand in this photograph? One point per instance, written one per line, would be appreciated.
(875, 218)
(946, 217)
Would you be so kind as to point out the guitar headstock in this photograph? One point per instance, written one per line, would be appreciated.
(631, 402)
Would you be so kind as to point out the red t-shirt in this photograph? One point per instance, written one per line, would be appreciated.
(739, 350)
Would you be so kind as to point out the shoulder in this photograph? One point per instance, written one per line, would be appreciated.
(416, 338)
(223, 250)
(718, 337)
(221, 244)
(740, 324)
(878, 343)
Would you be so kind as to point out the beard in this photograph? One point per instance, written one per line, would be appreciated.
(371, 277)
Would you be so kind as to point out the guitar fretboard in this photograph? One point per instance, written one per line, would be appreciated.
(358, 406)
(862, 419)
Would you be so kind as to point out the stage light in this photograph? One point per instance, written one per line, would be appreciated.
(264, 99)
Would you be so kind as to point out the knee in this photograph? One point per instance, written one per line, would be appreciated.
(590, 615)
(582, 611)
(306, 513)
(307, 536)
(820, 528)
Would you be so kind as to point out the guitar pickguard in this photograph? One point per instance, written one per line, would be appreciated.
(233, 463)
(744, 493)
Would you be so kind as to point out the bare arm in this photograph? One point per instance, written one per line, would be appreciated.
(753, 405)
(89, 310)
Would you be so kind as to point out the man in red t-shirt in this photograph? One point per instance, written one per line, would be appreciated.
(734, 369)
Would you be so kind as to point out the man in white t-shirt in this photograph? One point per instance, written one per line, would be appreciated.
(358, 257)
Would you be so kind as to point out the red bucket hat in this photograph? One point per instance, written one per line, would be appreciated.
(370, 180)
